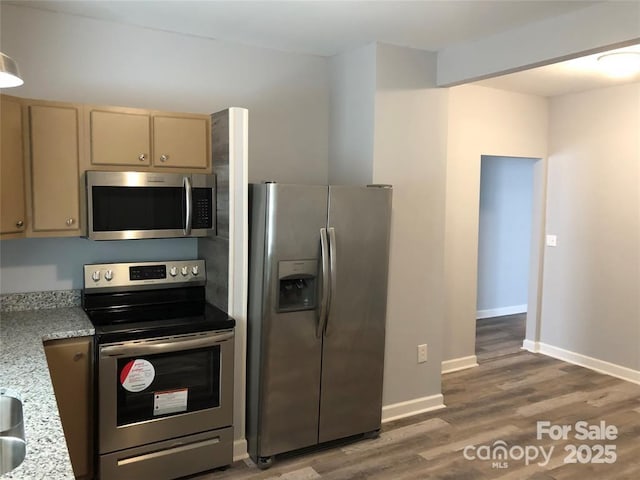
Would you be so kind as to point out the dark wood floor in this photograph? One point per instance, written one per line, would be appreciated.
(500, 400)
(499, 336)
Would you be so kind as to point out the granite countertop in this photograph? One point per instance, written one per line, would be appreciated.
(23, 368)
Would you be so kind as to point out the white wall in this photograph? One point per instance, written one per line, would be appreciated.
(504, 237)
(69, 58)
(407, 150)
(482, 121)
(78, 59)
(351, 121)
(410, 154)
(591, 296)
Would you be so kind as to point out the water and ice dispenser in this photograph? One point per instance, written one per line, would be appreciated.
(297, 285)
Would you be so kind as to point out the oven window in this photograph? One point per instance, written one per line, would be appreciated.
(156, 386)
(138, 208)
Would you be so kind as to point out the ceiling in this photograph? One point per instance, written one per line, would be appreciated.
(329, 27)
(322, 27)
(571, 76)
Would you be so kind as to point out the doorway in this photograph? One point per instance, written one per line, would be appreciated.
(504, 254)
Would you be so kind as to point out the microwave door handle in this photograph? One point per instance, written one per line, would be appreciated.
(186, 183)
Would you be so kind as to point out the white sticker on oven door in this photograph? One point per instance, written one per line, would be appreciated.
(170, 401)
(137, 375)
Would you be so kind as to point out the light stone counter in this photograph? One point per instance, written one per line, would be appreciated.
(23, 368)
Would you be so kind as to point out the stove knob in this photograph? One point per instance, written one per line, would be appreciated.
(108, 275)
(195, 270)
(184, 271)
(96, 275)
(173, 271)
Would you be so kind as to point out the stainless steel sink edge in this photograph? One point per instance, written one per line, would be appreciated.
(10, 392)
(12, 438)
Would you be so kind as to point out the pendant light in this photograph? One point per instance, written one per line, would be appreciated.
(9, 75)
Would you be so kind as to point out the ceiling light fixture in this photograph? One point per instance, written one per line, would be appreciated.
(620, 64)
(9, 74)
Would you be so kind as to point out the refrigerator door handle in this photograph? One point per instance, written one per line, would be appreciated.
(333, 259)
(324, 301)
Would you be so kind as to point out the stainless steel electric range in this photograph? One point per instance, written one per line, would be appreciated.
(164, 367)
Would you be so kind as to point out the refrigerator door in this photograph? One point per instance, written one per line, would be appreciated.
(353, 344)
(285, 350)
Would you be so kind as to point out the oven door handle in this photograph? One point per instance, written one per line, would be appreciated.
(151, 347)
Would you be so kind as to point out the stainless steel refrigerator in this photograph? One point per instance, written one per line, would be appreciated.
(316, 318)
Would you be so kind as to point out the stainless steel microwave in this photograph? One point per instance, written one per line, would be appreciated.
(134, 205)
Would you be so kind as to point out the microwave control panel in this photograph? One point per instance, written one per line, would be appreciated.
(202, 208)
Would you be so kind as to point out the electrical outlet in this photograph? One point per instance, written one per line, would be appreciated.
(552, 241)
(422, 353)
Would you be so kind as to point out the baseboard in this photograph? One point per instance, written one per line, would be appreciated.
(409, 408)
(501, 312)
(618, 371)
(240, 449)
(457, 364)
(531, 346)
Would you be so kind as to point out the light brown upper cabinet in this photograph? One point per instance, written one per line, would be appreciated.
(12, 197)
(180, 142)
(53, 169)
(146, 139)
(120, 137)
(45, 147)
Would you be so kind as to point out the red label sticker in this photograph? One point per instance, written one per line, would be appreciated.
(137, 375)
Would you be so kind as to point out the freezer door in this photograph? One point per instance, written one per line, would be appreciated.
(353, 345)
(289, 353)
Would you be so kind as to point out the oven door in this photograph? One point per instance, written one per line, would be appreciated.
(161, 388)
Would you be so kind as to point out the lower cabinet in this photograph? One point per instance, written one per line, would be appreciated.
(71, 368)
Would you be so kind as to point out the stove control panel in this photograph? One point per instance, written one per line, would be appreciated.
(106, 276)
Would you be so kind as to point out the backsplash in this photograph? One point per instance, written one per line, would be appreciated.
(13, 302)
(54, 264)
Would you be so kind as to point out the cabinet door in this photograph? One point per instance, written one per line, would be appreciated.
(119, 138)
(54, 168)
(70, 367)
(180, 141)
(12, 206)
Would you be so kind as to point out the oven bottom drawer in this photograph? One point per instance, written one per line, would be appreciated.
(170, 459)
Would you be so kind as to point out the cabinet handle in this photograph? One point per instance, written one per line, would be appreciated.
(70, 221)
(142, 157)
(164, 158)
(78, 356)
(19, 224)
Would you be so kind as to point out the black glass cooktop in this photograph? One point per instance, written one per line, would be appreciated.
(152, 313)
